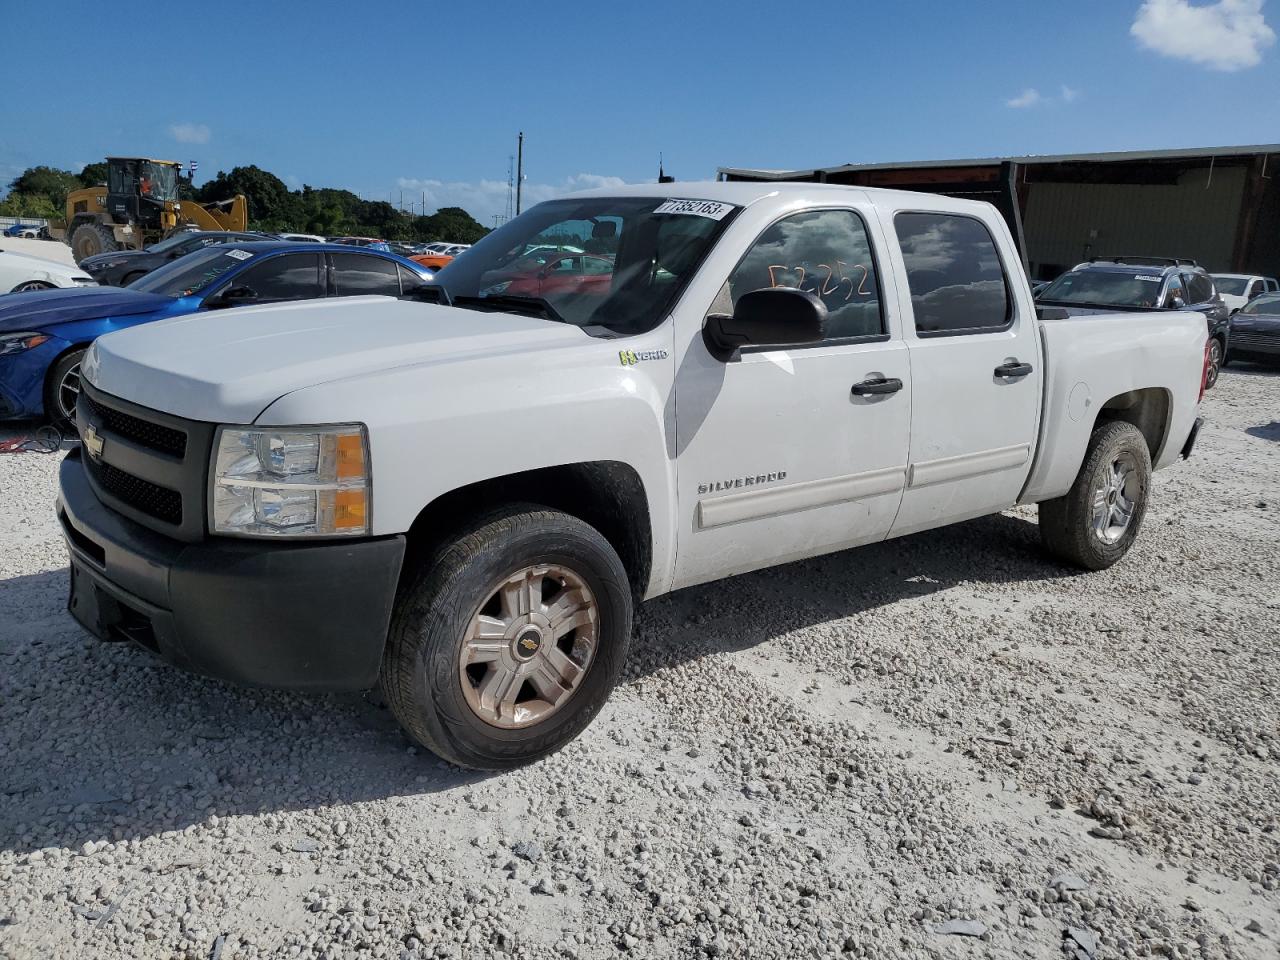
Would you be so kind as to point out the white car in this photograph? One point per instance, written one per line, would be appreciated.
(463, 497)
(1237, 289)
(22, 273)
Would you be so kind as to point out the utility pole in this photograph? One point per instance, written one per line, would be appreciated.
(519, 169)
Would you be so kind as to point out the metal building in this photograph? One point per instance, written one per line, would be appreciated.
(1217, 205)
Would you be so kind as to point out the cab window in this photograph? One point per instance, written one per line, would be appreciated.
(954, 274)
(293, 276)
(824, 252)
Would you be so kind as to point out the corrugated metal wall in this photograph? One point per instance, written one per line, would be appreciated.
(1182, 220)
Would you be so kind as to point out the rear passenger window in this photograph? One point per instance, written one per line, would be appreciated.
(1200, 287)
(825, 252)
(954, 274)
(357, 275)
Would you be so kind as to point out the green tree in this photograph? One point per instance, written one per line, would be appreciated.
(270, 201)
(93, 174)
(29, 205)
(455, 225)
(48, 182)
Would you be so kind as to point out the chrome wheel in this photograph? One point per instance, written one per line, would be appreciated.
(68, 392)
(1215, 363)
(528, 646)
(1115, 499)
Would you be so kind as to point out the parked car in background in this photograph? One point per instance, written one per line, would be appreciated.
(301, 237)
(571, 274)
(1255, 330)
(432, 261)
(1144, 283)
(28, 231)
(119, 268)
(1237, 289)
(23, 273)
(43, 336)
(371, 243)
(465, 499)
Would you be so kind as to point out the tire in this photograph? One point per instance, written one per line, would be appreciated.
(90, 239)
(1070, 528)
(31, 286)
(439, 699)
(1215, 364)
(59, 394)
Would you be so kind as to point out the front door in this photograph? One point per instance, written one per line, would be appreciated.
(777, 456)
(976, 370)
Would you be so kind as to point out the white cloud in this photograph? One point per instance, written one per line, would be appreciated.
(1227, 35)
(1028, 98)
(1069, 94)
(190, 132)
(484, 199)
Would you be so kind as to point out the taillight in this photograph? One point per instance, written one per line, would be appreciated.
(1204, 371)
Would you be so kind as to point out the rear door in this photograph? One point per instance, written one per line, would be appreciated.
(362, 274)
(975, 366)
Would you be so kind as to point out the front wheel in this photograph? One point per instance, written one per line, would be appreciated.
(506, 644)
(1096, 522)
(62, 389)
(31, 286)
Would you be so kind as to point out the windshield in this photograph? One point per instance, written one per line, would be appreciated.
(1266, 304)
(158, 181)
(1106, 287)
(639, 252)
(1235, 286)
(193, 273)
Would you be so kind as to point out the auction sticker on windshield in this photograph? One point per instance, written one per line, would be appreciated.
(1148, 279)
(711, 209)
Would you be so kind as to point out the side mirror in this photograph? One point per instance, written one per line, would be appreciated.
(234, 297)
(1177, 303)
(771, 317)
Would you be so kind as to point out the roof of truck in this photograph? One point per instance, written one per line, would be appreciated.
(743, 193)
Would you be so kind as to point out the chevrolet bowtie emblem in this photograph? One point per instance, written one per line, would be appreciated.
(93, 443)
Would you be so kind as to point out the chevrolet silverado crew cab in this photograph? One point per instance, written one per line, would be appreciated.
(460, 494)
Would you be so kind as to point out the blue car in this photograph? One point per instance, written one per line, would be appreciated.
(43, 335)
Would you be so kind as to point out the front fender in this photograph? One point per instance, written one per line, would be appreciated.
(438, 426)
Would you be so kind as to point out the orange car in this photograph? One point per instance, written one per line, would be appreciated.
(432, 261)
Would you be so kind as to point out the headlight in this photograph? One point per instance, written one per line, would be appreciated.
(107, 264)
(291, 481)
(18, 342)
(496, 289)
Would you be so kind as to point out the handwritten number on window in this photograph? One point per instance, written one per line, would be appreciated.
(831, 283)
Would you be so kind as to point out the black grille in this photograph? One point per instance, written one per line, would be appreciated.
(151, 499)
(153, 436)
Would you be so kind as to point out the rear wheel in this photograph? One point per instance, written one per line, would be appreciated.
(90, 239)
(506, 643)
(1215, 364)
(62, 388)
(1096, 522)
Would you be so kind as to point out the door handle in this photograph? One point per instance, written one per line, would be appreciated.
(1012, 370)
(877, 385)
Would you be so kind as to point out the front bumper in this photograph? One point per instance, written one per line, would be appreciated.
(295, 616)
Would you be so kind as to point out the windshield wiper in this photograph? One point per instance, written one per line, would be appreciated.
(536, 306)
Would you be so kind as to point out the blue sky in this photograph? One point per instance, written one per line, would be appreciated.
(383, 96)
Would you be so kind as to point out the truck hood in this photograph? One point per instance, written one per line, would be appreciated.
(227, 366)
(44, 308)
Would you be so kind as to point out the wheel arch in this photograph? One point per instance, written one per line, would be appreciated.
(1150, 409)
(46, 384)
(607, 494)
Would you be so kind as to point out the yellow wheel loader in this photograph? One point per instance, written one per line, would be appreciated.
(138, 205)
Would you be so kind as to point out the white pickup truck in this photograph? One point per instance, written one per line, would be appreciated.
(460, 494)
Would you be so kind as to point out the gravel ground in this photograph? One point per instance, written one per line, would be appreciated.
(943, 746)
